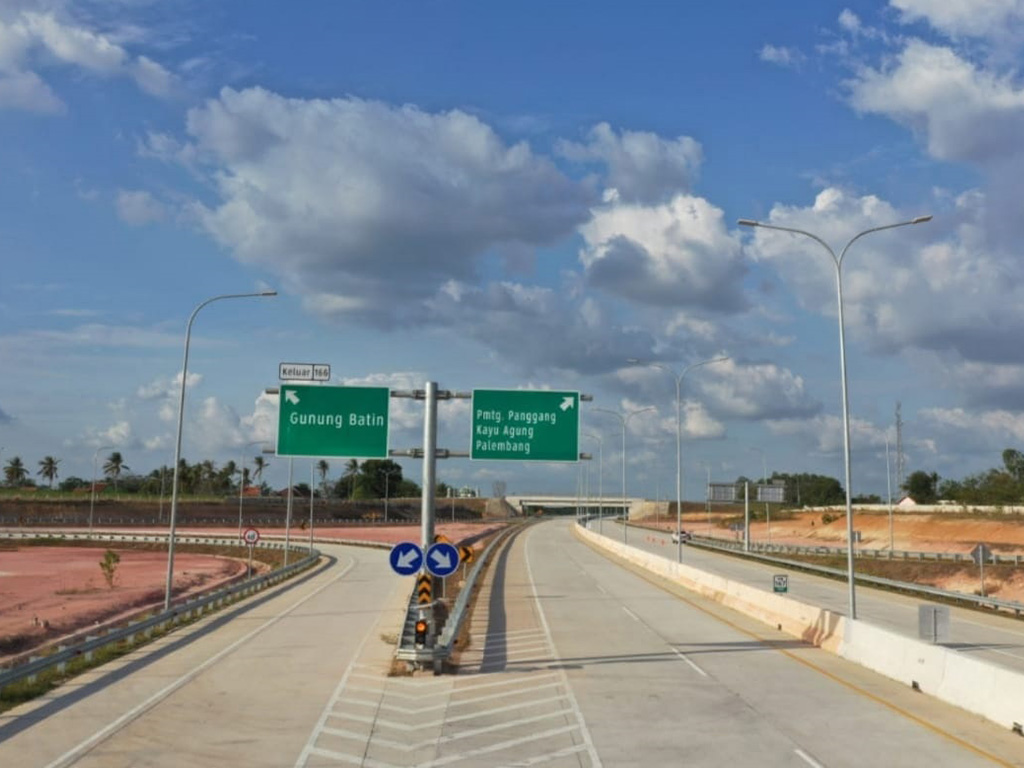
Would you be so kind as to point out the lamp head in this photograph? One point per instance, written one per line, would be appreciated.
(268, 293)
(747, 223)
(921, 219)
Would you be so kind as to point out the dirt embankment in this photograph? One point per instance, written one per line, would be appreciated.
(49, 592)
(1003, 534)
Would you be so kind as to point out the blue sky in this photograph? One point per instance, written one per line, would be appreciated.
(516, 195)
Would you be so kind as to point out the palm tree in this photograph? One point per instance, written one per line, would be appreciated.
(48, 469)
(15, 471)
(113, 467)
(350, 476)
(323, 467)
(259, 464)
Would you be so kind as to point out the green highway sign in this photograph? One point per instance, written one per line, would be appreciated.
(525, 425)
(333, 421)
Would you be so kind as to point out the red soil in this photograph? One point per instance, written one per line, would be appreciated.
(47, 592)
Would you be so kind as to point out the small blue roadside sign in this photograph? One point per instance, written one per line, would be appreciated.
(442, 559)
(406, 558)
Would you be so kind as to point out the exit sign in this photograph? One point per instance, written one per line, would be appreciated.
(333, 421)
(525, 425)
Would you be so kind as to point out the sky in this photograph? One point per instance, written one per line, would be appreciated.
(517, 195)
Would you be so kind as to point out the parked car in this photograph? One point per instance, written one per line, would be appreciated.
(684, 535)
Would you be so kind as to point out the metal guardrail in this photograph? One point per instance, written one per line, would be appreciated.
(185, 611)
(902, 586)
(442, 648)
(736, 548)
(879, 554)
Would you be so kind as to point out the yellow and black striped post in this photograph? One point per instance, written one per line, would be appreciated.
(423, 588)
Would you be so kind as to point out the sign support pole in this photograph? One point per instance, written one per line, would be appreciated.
(288, 515)
(429, 465)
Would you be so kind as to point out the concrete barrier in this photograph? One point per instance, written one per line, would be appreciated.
(971, 684)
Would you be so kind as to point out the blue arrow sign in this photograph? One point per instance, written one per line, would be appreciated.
(406, 558)
(442, 559)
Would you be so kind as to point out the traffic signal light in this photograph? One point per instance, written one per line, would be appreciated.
(421, 633)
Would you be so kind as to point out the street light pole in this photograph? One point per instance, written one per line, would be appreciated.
(624, 418)
(600, 480)
(838, 263)
(177, 442)
(764, 481)
(92, 497)
(679, 439)
(888, 489)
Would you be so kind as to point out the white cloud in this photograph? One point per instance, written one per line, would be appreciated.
(139, 207)
(641, 166)
(963, 112)
(963, 18)
(373, 205)
(1006, 425)
(215, 428)
(755, 391)
(27, 91)
(31, 41)
(675, 254)
(783, 56)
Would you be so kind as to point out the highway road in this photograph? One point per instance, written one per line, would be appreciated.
(998, 639)
(570, 659)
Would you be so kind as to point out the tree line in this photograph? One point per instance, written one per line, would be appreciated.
(370, 479)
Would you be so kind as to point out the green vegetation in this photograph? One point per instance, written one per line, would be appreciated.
(109, 566)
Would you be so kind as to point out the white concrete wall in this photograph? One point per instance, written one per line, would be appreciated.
(971, 684)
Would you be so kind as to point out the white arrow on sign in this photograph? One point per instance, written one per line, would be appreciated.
(407, 557)
(291, 397)
(567, 403)
(441, 560)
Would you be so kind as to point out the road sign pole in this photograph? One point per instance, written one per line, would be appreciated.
(311, 497)
(288, 514)
(429, 465)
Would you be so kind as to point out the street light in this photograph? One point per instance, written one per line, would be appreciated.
(177, 442)
(241, 483)
(92, 497)
(679, 439)
(600, 480)
(838, 263)
(624, 418)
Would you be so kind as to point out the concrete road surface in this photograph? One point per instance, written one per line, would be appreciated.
(998, 639)
(569, 659)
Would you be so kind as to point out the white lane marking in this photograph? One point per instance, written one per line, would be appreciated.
(632, 615)
(403, 746)
(600, 589)
(988, 649)
(685, 658)
(594, 758)
(546, 758)
(76, 752)
(447, 719)
(808, 759)
(322, 722)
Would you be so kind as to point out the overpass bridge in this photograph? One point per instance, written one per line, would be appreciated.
(612, 505)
